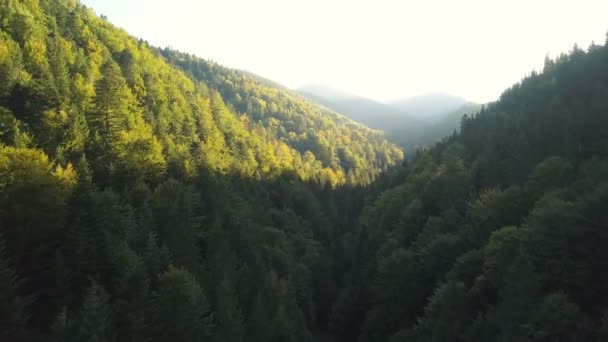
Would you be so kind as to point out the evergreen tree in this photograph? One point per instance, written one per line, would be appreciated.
(179, 309)
(12, 305)
(228, 313)
(111, 103)
(94, 323)
(210, 204)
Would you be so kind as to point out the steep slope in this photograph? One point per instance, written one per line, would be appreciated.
(428, 135)
(452, 120)
(138, 203)
(355, 153)
(429, 107)
(144, 202)
(495, 234)
(60, 74)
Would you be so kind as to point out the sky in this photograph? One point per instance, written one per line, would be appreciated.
(382, 49)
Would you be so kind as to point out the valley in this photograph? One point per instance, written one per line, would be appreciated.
(149, 194)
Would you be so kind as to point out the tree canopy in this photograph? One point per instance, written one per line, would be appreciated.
(150, 195)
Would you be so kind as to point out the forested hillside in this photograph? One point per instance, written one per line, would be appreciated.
(150, 195)
(354, 153)
(140, 203)
(498, 233)
(427, 135)
(66, 68)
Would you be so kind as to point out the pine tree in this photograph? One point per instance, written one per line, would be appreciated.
(63, 329)
(111, 102)
(131, 292)
(95, 317)
(518, 299)
(12, 305)
(179, 310)
(258, 329)
(445, 312)
(228, 312)
(176, 209)
(58, 57)
(62, 287)
(82, 237)
(156, 258)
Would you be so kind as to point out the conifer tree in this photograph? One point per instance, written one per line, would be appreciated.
(179, 309)
(95, 316)
(12, 305)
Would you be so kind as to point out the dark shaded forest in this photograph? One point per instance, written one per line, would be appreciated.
(498, 233)
(150, 195)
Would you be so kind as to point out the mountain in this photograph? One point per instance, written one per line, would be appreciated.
(398, 126)
(433, 133)
(303, 125)
(495, 233)
(429, 107)
(151, 195)
(371, 113)
(275, 128)
(147, 194)
(432, 117)
(452, 120)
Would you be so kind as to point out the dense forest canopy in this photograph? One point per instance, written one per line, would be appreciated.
(70, 71)
(428, 135)
(355, 153)
(497, 233)
(142, 201)
(150, 195)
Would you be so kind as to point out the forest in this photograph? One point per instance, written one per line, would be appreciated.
(150, 195)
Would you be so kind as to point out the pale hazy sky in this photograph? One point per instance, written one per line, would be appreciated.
(377, 48)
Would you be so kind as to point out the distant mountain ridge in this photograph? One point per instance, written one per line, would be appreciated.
(429, 107)
(413, 122)
(371, 113)
(445, 127)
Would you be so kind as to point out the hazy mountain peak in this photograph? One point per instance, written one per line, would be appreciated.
(371, 113)
(429, 107)
(321, 90)
(412, 122)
